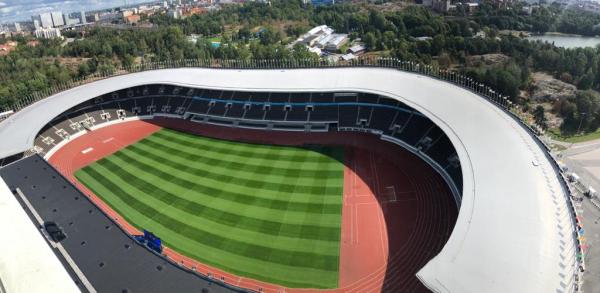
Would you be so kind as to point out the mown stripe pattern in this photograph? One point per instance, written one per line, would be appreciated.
(268, 212)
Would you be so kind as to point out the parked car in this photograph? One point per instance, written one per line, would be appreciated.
(54, 231)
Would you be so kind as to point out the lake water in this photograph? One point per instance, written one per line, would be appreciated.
(568, 41)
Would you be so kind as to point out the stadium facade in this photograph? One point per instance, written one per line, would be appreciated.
(516, 229)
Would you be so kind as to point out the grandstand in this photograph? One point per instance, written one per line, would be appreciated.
(485, 158)
(302, 111)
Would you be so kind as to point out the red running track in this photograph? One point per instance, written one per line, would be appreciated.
(397, 212)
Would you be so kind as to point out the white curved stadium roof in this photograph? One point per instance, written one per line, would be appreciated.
(513, 232)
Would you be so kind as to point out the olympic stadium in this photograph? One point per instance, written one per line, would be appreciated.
(342, 179)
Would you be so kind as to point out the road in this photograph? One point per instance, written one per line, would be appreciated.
(584, 160)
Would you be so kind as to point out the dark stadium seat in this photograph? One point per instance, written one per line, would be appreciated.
(144, 105)
(212, 94)
(279, 98)
(242, 96)
(364, 114)
(259, 97)
(321, 98)
(300, 98)
(254, 112)
(298, 113)
(348, 116)
(276, 113)
(368, 98)
(217, 109)
(128, 105)
(416, 127)
(324, 113)
(441, 150)
(382, 118)
(95, 113)
(236, 110)
(198, 106)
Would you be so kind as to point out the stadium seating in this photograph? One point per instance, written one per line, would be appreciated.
(346, 111)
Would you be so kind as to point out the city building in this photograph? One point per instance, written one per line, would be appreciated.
(47, 33)
(36, 24)
(441, 5)
(313, 35)
(45, 20)
(126, 13)
(94, 17)
(72, 19)
(427, 3)
(174, 13)
(357, 49)
(57, 19)
(189, 11)
(322, 37)
(82, 18)
(132, 19)
(336, 42)
(348, 57)
(4, 30)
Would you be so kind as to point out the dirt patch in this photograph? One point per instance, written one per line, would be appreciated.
(486, 60)
(545, 88)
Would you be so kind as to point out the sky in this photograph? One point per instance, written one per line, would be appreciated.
(18, 10)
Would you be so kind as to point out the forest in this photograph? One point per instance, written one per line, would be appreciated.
(259, 31)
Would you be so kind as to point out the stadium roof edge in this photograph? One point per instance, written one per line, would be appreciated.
(507, 235)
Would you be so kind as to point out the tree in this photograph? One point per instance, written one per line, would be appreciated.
(586, 81)
(507, 83)
(370, 41)
(444, 60)
(539, 116)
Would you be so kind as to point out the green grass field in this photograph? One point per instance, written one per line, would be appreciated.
(272, 213)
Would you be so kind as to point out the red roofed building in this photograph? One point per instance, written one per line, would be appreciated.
(7, 48)
(193, 10)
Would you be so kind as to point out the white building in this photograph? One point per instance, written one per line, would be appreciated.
(71, 19)
(174, 13)
(316, 33)
(322, 37)
(45, 20)
(357, 49)
(315, 50)
(36, 24)
(82, 18)
(57, 19)
(336, 42)
(47, 33)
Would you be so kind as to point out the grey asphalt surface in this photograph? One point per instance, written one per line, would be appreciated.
(584, 160)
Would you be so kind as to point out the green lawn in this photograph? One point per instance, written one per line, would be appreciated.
(575, 138)
(272, 213)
